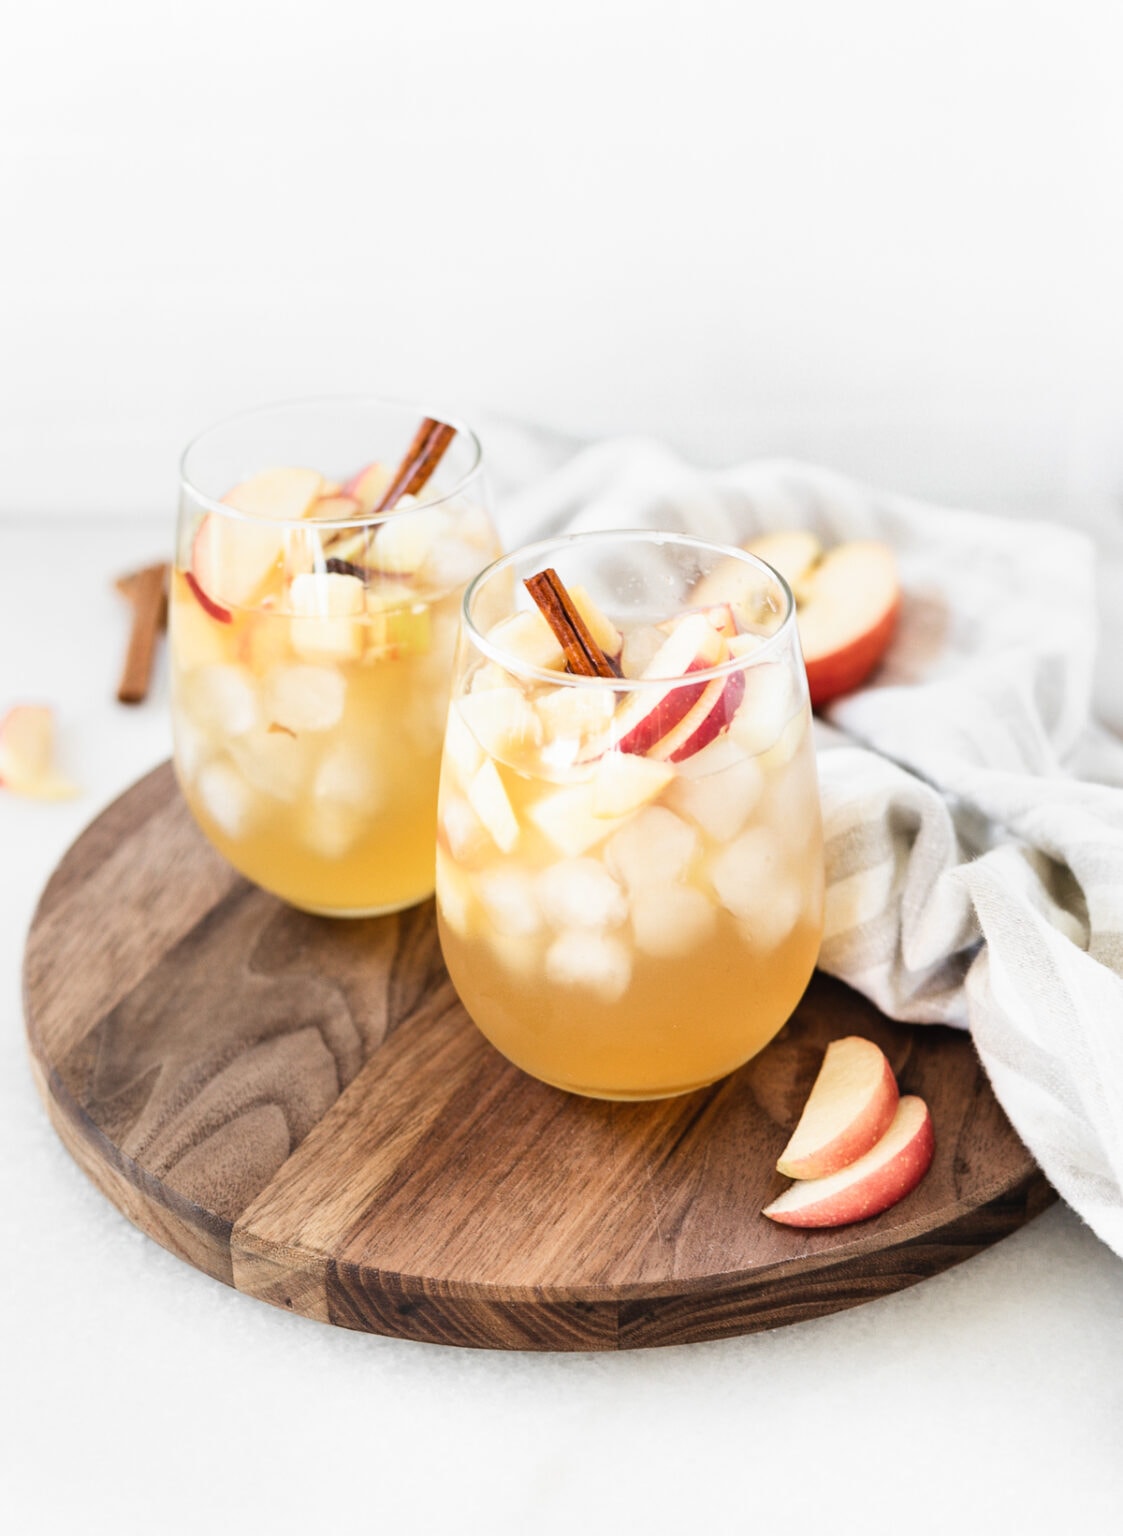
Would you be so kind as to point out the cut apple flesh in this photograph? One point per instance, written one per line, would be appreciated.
(27, 754)
(850, 1107)
(649, 715)
(848, 609)
(890, 1170)
(233, 558)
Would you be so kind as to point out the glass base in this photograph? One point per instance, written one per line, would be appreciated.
(357, 912)
(644, 1096)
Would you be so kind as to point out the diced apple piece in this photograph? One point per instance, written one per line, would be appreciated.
(848, 610)
(335, 508)
(395, 632)
(528, 638)
(502, 720)
(654, 847)
(402, 543)
(462, 752)
(454, 894)
(304, 698)
(624, 783)
(27, 754)
(850, 1107)
(489, 800)
(890, 1170)
(464, 832)
(231, 562)
(509, 897)
(326, 606)
(594, 962)
(567, 819)
(200, 639)
(580, 893)
(670, 920)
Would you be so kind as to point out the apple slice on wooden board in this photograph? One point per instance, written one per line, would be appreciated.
(890, 1170)
(850, 1107)
(27, 754)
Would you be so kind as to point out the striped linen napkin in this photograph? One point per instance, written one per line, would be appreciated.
(973, 809)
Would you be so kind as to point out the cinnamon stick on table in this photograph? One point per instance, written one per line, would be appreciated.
(147, 591)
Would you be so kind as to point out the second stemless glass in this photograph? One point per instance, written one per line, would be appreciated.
(630, 869)
(312, 642)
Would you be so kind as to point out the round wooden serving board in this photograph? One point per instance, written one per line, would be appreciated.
(302, 1108)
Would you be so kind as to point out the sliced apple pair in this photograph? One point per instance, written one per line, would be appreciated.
(858, 1147)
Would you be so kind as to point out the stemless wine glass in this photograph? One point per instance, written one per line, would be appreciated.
(630, 868)
(312, 639)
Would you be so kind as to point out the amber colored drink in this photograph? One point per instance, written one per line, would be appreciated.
(311, 656)
(630, 873)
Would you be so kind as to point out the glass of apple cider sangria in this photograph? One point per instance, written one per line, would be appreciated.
(322, 552)
(629, 844)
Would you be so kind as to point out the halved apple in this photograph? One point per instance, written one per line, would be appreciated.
(27, 754)
(847, 610)
(890, 1170)
(850, 1107)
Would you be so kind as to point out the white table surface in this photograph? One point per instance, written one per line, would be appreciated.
(142, 1396)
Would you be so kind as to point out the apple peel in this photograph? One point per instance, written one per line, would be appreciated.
(849, 1109)
(889, 1171)
(27, 753)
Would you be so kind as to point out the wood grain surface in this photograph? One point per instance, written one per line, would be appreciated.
(301, 1108)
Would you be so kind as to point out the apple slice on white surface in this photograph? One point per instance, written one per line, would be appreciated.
(848, 605)
(890, 1170)
(850, 1107)
(27, 754)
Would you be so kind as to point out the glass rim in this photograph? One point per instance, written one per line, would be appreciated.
(764, 652)
(306, 402)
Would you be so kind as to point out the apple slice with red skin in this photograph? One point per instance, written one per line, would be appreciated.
(850, 1107)
(847, 609)
(890, 1170)
(232, 558)
(650, 714)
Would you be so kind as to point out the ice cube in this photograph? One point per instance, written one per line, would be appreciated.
(454, 893)
(595, 962)
(450, 562)
(788, 743)
(750, 873)
(507, 892)
(574, 713)
(331, 829)
(404, 541)
(625, 781)
(774, 916)
(654, 847)
(580, 893)
(769, 701)
(272, 761)
(722, 802)
(221, 699)
(190, 746)
(304, 698)
(350, 776)
(670, 920)
(227, 799)
(462, 752)
(502, 720)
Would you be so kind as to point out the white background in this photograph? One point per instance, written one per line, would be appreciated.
(884, 237)
(879, 236)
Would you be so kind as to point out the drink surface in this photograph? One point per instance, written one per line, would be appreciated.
(630, 901)
(308, 713)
